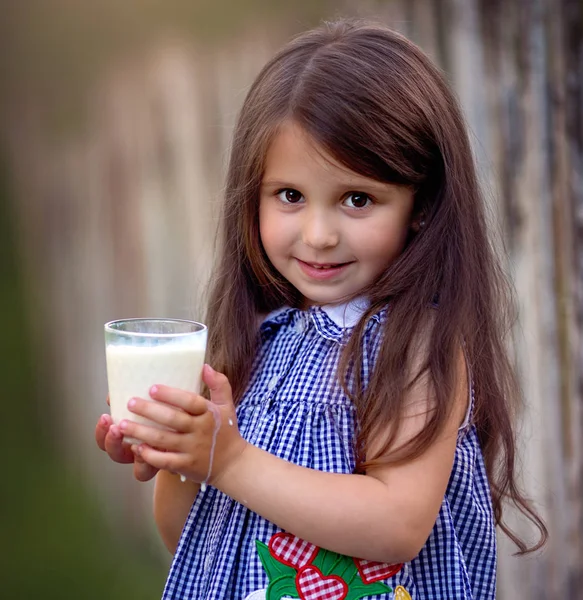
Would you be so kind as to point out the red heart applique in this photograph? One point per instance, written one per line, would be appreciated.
(291, 550)
(372, 571)
(312, 585)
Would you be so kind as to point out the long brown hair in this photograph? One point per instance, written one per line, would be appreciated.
(376, 103)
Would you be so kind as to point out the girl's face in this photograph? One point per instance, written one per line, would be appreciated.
(328, 230)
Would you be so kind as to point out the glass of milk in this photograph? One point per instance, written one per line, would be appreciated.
(144, 352)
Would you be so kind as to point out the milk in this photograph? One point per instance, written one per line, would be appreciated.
(133, 370)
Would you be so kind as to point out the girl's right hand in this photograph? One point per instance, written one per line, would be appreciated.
(110, 439)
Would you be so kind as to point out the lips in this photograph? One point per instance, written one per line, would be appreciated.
(327, 266)
(322, 271)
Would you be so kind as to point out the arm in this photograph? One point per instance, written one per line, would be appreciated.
(385, 515)
(172, 501)
(172, 498)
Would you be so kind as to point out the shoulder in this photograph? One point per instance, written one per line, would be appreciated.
(267, 317)
(273, 320)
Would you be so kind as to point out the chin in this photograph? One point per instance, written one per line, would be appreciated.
(317, 300)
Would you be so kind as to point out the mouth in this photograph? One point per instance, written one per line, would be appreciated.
(322, 270)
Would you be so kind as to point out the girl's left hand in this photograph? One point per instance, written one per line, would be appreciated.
(186, 450)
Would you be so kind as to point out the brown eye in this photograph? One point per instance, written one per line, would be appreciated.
(289, 196)
(357, 200)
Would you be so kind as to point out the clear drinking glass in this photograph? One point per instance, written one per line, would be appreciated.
(143, 352)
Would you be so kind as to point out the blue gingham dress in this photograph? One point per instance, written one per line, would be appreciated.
(295, 408)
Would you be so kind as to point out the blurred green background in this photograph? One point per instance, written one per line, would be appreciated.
(115, 120)
(56, 541)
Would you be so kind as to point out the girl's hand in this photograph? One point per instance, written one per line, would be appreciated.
(110, 439)
(196, 426)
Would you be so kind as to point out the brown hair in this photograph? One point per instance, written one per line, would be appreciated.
(376, 103)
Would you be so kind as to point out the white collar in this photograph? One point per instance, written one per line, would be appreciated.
(343, 315)
(347, 314)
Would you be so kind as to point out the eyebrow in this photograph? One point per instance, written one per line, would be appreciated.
(356, 185)
(277, 183)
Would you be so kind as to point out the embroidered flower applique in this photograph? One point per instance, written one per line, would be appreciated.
(299, 569)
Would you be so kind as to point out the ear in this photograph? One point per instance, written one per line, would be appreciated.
(418, 223)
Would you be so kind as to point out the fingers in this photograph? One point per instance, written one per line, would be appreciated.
(218, 385)
(163, 414)
(101, 430)
(157, 438)
(109, 438)
(107, 400)
(142, 470)
(167, 461)
(114, 446)
(191, 403)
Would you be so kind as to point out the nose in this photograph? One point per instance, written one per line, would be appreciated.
(319, 229)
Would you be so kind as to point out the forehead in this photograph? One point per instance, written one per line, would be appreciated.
(294, 155)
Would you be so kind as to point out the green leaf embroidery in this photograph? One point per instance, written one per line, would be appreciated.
(361, 590)
(272, 566)
(280, 587)
(345, 569)
(325, 560)
(282, 578)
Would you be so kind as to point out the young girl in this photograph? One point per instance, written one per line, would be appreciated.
(358, 440)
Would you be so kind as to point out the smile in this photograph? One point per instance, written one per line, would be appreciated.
(331, 266)
(322, 271)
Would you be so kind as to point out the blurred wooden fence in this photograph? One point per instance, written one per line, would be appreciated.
(117, 219)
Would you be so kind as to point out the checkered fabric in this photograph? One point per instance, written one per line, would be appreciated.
(292, 551)
(295, 408)
(312, 585)
(371, 571)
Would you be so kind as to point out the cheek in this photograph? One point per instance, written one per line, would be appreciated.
(380, 245)
(270, 230)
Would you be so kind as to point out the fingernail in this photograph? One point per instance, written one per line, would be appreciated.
(103, 420)
(131, 403)
(123, 425)
(115, 432)
(209, 369)
(153, 390)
